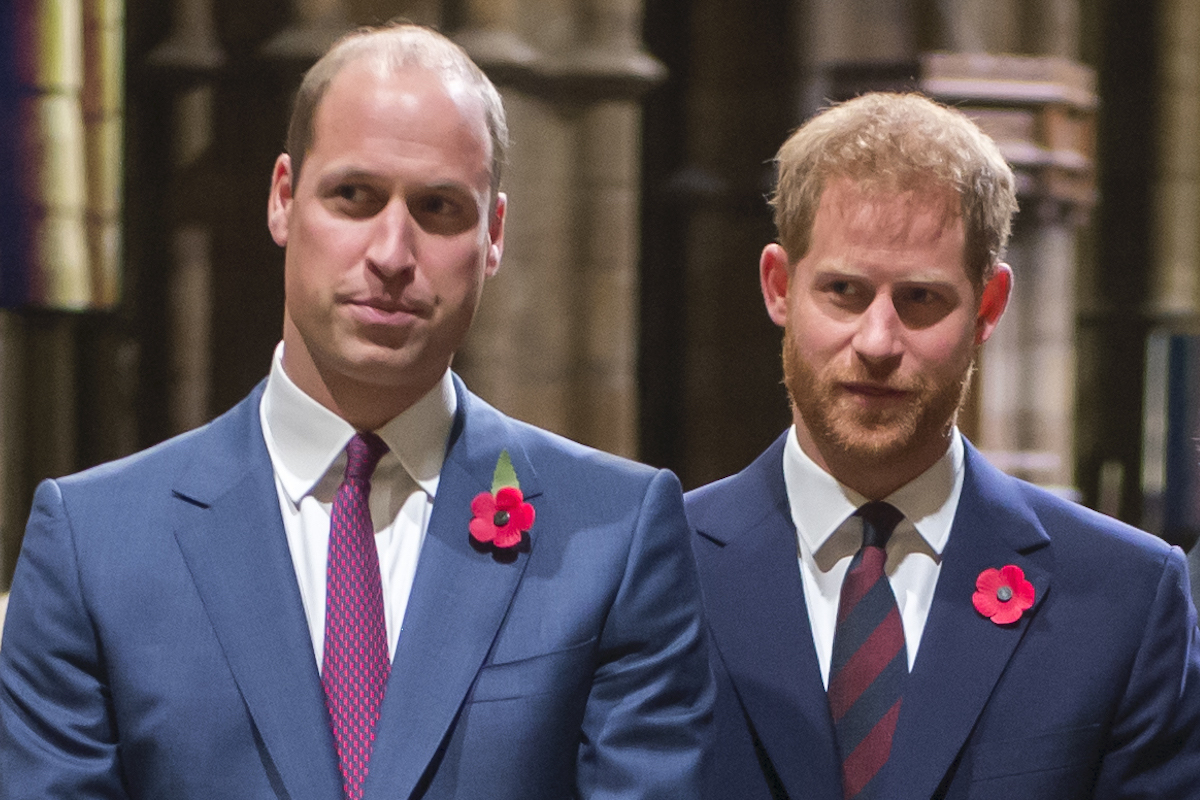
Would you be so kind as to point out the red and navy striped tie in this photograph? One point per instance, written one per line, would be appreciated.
(356, 666)
(870, 663)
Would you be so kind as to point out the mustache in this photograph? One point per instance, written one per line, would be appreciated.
(407, 304)
(862, 378)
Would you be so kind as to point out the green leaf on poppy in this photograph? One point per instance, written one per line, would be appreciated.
(504, 475)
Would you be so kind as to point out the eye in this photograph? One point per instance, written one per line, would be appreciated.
(919, 295)
(444, 212)
(436, 205)
(922, 306)
(355, 200)
(846, 294)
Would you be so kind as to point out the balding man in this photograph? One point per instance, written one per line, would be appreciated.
(362, 581)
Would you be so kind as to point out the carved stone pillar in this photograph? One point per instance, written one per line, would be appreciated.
(555, 340)
(11, 445)
(1176, 283)
(979, 26)
(1040, 111)
(103, 99)
(315, 25)
(62, 106)
(1170, 476)
(191, 57)
(37, 422)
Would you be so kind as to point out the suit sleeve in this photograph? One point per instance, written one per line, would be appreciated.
(1154, 747)
(57, 733)
(648, 716)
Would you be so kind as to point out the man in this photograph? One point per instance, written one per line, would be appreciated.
(458, 605)
(971, 636)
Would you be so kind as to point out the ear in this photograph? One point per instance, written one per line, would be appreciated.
(774, 275)
(993, 302)
(279, 202)
(495, 247)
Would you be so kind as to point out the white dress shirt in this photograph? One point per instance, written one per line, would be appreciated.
(828, 536)
(307, 443)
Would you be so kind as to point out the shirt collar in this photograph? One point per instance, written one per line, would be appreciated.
(820, 503)
(304, 438)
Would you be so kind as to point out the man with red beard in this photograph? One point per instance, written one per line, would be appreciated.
(894, 617)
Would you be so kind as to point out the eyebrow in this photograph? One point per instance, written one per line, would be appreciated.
(353, 174)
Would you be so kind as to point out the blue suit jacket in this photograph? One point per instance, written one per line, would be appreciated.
(156, 646)
(1093, 693)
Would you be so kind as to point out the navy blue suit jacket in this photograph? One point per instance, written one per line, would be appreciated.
(1093, 693)
(156, 646)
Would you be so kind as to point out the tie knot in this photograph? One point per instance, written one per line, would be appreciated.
(879, 520)
(362, 454)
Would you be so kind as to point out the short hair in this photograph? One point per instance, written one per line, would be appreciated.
(398, 46)
(885, 141)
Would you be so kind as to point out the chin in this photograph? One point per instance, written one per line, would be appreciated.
(875, 445)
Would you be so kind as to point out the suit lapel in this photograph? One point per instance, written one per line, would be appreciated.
(748, 565)
(962, 654)
(459, 599)
(231, 535)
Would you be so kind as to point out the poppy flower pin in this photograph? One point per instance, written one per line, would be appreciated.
(501, 516)
(1002, 595)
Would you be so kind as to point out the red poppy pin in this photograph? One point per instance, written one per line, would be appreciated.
(1002, 595)
(501, 515)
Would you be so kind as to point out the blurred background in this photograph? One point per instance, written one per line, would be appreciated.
(142, 294)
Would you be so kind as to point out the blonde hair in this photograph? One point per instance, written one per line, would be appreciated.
(398, 46)
(891, 142)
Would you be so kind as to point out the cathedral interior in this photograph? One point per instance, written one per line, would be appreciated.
(142, 294)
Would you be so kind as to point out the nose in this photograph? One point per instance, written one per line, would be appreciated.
(391, 247)
(879, 336)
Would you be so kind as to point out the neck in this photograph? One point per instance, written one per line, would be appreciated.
(874, 475)
(366, 406)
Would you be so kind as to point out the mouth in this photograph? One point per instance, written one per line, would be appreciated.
(873, 391)
(387, 311)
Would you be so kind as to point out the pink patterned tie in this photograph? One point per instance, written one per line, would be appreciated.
(355, 669)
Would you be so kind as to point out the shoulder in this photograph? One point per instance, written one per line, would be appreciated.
(1081, 537)
(1099, 545)
(749, 495)
(231, 436)
(557, 460)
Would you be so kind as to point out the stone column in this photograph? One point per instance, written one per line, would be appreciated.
(54, 153)
(1176, 283)
(104, 126)
(849, 47)
(1170, 476)
(555, 340)
(49, 266)
(192, 57)
(12, 444)
(520, 352)
(315, 25)
(1040, 112)
(979, 26)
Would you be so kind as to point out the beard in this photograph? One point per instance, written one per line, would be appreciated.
(843, 428)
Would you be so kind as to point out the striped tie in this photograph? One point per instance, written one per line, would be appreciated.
(866, 677)
(356, 666)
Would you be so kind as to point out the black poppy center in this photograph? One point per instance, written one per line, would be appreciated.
(501, 519)
(1004, 594)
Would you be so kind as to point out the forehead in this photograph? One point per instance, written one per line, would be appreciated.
(922, 224)
(371, 106)
(900, 216)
